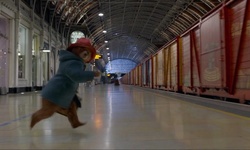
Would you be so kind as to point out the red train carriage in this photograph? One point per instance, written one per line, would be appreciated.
(216, 54)
(238, 37)
(166, 67)
(124, 79)
(190, 59)
(144, 74)
(132, 77)
(203, 60)
(212, 58)
(147, 74)
(138, 75)
(172, 67)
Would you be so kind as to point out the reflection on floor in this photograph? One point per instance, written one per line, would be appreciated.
(122, 117)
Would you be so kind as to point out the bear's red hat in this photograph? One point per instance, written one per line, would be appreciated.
(86, 43)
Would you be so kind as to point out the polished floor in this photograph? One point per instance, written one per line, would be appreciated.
(124, 117)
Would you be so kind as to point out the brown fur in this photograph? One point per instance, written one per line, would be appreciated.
(48, 109)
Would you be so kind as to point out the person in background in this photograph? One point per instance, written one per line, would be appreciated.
(60, 92)
(103, 77)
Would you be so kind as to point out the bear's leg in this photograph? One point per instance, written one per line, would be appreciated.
(47, 110)
(72, 116)
(62, 111)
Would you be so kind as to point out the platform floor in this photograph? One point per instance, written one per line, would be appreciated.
(124, 117)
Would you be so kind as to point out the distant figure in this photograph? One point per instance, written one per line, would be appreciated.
(117, 82)
(103, 78)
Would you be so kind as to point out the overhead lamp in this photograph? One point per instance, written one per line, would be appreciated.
(106, 41)
(107, 48)
(45, 50)
(100, 14)
(104, 31)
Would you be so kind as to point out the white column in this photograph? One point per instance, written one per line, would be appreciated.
(28, 69)
(13, 47)
(39, 63)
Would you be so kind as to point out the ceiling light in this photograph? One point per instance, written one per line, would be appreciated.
(46, 50)
(104, 31)
(107, 48)
(106, 41)
(100, 14)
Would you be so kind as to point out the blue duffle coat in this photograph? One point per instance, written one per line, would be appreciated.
(61, 89)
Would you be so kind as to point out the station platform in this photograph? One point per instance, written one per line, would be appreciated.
(127, 117)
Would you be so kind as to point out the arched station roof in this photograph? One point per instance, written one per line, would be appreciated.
(135, 29)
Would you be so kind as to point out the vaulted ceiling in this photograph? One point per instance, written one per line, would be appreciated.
(135, 29)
